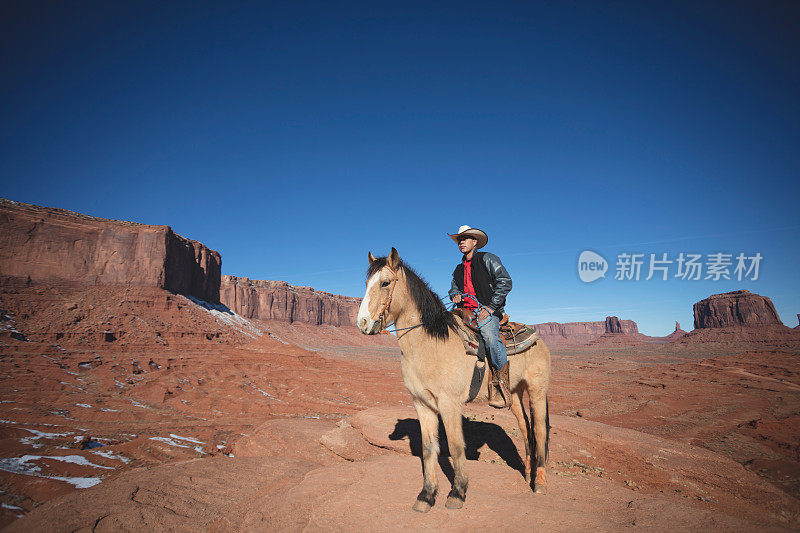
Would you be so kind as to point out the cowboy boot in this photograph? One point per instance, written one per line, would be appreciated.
(494, 390)
(501, 382)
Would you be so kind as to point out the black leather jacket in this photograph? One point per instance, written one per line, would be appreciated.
(497, 286)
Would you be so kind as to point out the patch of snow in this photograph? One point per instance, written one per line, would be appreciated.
(173, 443)
(265, 393)
(78, 482)
(225, 316)
(137, 404)
(168, 441)
(40, 435)
(107, 410)
(111, 455)
(11, 507)
(73, 459)
(83, 405)
(174, 436)
(22, 465)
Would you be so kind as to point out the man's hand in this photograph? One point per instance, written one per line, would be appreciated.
(485, 312)
(456, 298)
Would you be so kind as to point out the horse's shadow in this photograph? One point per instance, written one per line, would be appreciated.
(476, 434)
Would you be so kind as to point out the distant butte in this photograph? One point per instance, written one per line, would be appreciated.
(737, 319)
(737, 308)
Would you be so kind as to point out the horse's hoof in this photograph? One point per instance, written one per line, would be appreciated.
(454, 503)
(421, 506)
(540, 482)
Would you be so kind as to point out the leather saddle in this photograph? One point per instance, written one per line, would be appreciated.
(516, 336)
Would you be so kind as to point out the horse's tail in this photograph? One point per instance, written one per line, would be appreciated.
(547, 427)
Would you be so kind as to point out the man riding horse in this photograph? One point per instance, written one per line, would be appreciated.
(480, 284)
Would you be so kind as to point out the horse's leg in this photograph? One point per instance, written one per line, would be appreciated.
(540, 433)
(429, 425)
(451, 417)
(519, 411)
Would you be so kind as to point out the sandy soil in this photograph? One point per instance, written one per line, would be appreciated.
(186, 418)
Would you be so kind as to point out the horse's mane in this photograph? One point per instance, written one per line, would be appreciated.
(436, 320)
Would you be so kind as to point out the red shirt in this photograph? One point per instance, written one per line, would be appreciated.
(469, 303)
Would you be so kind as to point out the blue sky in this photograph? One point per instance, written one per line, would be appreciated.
(294, 137)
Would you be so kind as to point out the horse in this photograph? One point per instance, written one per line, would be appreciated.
(437, 371)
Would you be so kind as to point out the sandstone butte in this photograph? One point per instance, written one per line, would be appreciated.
(277, 300)
(737, 308)
(52, 245)
(739, 318)
(132, 399)
(612, 330)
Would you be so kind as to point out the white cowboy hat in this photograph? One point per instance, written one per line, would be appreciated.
(478, 234)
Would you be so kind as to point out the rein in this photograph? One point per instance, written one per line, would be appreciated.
(384, 329)
(476, 312)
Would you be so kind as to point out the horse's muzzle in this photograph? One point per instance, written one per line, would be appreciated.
(369, 329)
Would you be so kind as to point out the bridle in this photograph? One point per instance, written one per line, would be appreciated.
(388, 302)
(385, 309)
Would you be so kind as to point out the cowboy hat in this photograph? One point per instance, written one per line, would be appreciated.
(475, 233)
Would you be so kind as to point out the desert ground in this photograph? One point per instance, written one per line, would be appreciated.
(136, 408)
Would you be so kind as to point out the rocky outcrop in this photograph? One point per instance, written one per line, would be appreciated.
(798, 322)
(737, 308)
(55, 245)
(613, 326)
(675, 335)
(277, 300)
(614, 336)
(578, 333)
(739, 320)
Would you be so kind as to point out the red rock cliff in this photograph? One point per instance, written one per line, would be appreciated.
(56, 245)
(737, 308)
(576, 333)
(277, 300)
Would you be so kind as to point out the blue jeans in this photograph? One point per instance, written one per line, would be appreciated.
(490, 331)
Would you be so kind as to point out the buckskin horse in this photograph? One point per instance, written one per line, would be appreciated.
(437, 371)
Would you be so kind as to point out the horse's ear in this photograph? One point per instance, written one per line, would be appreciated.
(371, 258)
(394, 259)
